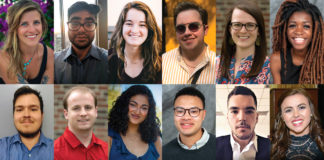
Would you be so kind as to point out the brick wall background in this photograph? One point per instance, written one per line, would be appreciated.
(101, 125)
(224, 6)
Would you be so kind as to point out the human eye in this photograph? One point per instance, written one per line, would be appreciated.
(76, 108)
(249, 112)
(37, 22)
(145, 108)
(287, 110)
(128, 23)
(292, 25)
(24, 24)
(179, 110)
(234, 111)
(194, 110)
(306, 26)
(18, 109)
(302, 107)
(88, 107)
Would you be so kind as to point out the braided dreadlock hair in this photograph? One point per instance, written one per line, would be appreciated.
(312, 71)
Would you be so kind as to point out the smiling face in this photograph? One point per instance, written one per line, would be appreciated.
(187, 125)
(81, 38)
(81, 111)
(296, 114)
(300, 30)
(138, 109)
(30, 28)
(242, 38)
(242, 116)
(27, 115)
(135, 30)
(190, 40)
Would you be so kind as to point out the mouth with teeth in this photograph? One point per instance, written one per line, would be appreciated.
(31, 36)
(298, 40)
(83, 120)
(297, 122)
(186, 125)
(243, 37)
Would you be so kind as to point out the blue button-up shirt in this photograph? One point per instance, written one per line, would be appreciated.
(12, 148)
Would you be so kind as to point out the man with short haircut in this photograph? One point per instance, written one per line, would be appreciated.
(242, 143)
(29, 143)
(192, 62)
(82, 62)
(193, 141)
(78, 141)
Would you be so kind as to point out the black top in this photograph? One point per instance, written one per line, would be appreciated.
(303, 147)
(114, 62)
(173, 151)
(293, 71)
(38, 78)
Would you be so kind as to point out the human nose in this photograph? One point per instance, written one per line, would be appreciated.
(26, 113)
(83, 111)
(295, 113)
(243, 29)
(135, 28)
(241, 116)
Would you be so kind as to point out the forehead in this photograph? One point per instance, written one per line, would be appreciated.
(188, 101)
(300, 16)
(294, 100)
(79, 97)
(27, 99)
(30, 14)
(135, 15)
(239, 15)
(82, 15)
(241, 101)
(139, 98)
(188, 16)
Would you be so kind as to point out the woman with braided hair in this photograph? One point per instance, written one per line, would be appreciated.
(298, 46)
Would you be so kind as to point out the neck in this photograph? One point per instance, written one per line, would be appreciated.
(243, 143)
(30, 142)
(83, 136)
(132, 129)
(28, 51)
(299, 53)
(81, 53)
(133, 53)
(189, 141)
(244, 52)
(193, 57)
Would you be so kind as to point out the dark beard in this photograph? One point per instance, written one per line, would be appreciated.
(28, 135)
(81, 46)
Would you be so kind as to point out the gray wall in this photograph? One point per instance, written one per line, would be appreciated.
(169, 132)
(6, 110)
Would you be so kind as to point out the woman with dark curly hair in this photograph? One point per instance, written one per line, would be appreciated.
(297, 132)
(133, 126)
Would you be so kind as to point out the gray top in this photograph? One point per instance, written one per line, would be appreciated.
(93, 69)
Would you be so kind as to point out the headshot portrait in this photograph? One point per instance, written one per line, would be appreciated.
(296, 132)
(27, 118)
(135, 42)
(189, 122)
(242, 122)
(191, 58)
(297, 41)
(243, 40)
(81, 122)
(134, 120)
(26, 42)
(81, 57)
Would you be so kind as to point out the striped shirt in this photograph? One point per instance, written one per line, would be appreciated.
(175, 70)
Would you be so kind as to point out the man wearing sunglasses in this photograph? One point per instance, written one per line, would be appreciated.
(193, 141)
(192, 62)
(82, 62)
(242, 143)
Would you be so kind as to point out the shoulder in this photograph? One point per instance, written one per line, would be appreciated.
(112, 133)
(275, 57)
(171, 144)
(50, 53)
(113, 57)
(59, 55)
(170, 54)
(4, 59)
(102, 143)
(263, 140)
(223, 139)
(101, 51)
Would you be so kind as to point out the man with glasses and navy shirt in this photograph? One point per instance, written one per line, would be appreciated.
(82, 62)
(192, 62)
(193, 141)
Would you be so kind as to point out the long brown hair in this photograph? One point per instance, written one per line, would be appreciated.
(312, 71)
(150, 48)
(11, 46)
(228, 50)
(280, 138)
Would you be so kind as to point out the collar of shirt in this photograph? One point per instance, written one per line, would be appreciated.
(202, 64)
(200, 143)
(248, 152)
(92, 52)
(42, 140)
(75, 142)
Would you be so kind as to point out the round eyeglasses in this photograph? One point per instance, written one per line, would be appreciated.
(248, 26)
(193, 112)
(88, 26)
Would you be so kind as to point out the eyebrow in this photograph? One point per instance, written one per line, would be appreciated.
(79, 18)
(296, 22)
(246, 108)
(129, 20)
(137, 103)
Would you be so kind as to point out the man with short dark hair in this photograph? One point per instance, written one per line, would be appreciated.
(78, 140)
(29, 143)
(242, 117)
(82, 62)
(193, 141)
(192, 62)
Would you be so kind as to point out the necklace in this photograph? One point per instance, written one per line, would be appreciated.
(28, 62)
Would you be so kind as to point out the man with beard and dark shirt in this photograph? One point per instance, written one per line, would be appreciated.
(82, 62)
(242, 116)
(29, 143)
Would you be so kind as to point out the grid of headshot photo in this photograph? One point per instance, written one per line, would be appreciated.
(162, 80)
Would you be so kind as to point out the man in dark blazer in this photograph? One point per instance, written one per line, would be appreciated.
(242, 117)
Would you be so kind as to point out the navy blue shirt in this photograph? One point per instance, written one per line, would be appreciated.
(12, 148)
(92, 69)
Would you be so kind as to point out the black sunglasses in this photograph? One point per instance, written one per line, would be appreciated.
(193, 27)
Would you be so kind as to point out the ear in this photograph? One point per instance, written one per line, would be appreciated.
(204, 114)
(66, 113)
(206, 29)
(257, 118)
(96, 108)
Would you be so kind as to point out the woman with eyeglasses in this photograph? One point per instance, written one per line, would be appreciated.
(135, 46)
(243, 58)
(297, 130)
(298, 42)
(133, 128)
(23, 58)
